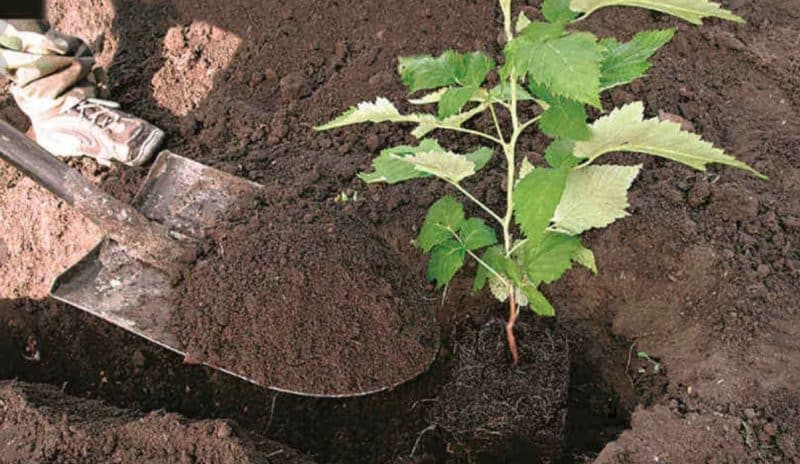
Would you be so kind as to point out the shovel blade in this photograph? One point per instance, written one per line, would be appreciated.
(188, 198)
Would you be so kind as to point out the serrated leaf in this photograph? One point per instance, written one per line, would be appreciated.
(494, 257)
(585, 257)
(423, 72)
(551, 258)
(624, 62)
(445, 261)
(429, 98)
(454, 99)
(557, 11)
(476, 234)
(500, 290)
(625, 129)
(388, 168)
(444, 218)
(525, 168)
(443, 164)
(429, 122)
(565, 118)
(559, 154)
(382, 110)
(567, 65)
(538, 301)
(535, 199)
(690, 10)
(502, 93)
(480, 157)
(595, 196)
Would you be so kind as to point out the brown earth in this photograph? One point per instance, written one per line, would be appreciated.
(307, 300)
(39, 423)
(704, 276)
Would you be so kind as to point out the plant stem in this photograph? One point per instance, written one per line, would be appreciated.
(509, 149)
(512, 319)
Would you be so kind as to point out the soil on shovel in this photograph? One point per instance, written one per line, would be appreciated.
(307, 300)
(39, 423)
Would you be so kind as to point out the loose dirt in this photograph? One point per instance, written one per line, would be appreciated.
(704, 277)
(308, 300)
(39, 423)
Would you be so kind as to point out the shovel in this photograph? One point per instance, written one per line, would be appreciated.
(128, 278)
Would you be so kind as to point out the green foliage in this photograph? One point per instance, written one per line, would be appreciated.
(624, 62)
(558, 71)
(692, 11)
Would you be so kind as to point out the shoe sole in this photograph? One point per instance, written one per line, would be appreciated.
(148, 148)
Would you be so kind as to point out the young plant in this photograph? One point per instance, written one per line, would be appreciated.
(550, 72)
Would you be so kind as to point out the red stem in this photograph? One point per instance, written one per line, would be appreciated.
(512, 319)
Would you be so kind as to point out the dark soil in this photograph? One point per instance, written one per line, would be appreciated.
(306, 300)
(490, 407)
(41, 424)
(704, 277)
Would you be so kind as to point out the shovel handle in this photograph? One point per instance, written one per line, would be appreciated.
(145, 240)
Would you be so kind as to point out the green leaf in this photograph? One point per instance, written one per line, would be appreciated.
(454, 99)
(444, 218)
(429, 122)
(382, 110)
(538, 301)
(585, 257)
(389, 168)
(535, 199)
(422, 72)
(595, 196)
(525, 168)
(550, 259)
(690, 10)
(557, 11)
(625, 129)
(480, 157)
(565, 118)
(443, 164)
(476, 234)
(495, 257)
(562, 117)
(567, 65)
(624, 62)
(446, 259)
(559, 154)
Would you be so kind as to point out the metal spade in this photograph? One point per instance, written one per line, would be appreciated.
(127, 279)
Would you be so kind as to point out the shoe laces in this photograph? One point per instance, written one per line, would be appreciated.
(98, 112)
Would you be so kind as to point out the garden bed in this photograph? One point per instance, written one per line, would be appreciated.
(704, 278)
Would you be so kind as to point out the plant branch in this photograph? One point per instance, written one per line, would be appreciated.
(529, 123)
(472, 197)
(479, 260)
(472, 132)
(497, 124)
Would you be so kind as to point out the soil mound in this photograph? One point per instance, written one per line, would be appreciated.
(307, 300)
(491, 407)
(39, 423)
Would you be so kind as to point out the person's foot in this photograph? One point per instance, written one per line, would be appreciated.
(96, 128)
